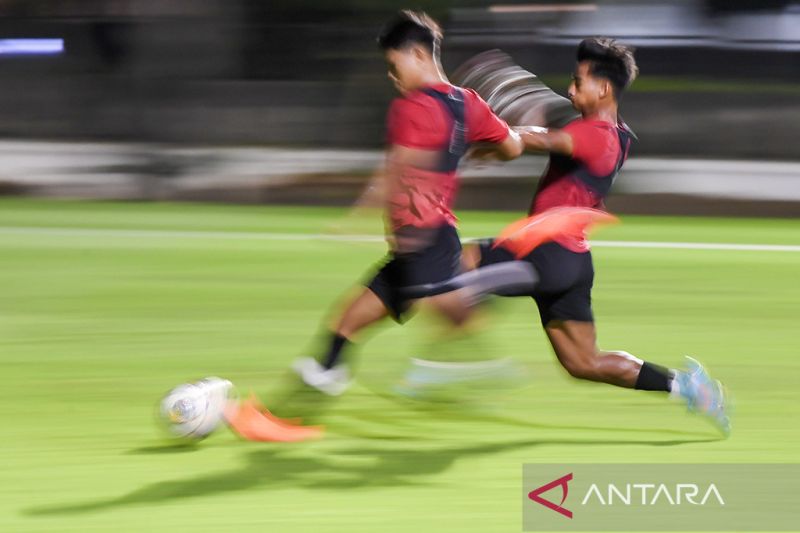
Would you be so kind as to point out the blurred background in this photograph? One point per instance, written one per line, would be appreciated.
(283, 101)
(105, 306)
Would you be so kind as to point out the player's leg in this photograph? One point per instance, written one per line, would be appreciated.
(563, 294)
(574, 343)
(364, 310)
(372, 304)
(564, 298)
(420, 256)
(467, 289)
(563, 288)
(575, 346)
(569, 324)
(484, 270)
(459, 353)
(455, 292)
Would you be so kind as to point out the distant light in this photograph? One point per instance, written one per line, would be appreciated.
(542, 8)
(31, 46)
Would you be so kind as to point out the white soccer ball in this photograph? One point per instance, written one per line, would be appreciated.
(195, 410)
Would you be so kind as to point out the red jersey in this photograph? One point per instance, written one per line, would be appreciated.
(583, 179)
(424, 198)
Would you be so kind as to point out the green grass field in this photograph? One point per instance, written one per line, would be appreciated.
(105, 306)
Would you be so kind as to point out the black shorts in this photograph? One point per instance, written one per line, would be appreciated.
(564, 290)
(439, 259)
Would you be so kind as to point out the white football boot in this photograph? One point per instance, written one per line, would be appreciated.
(331, 381)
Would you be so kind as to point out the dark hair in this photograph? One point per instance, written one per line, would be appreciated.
(610, 60)
(409, 28)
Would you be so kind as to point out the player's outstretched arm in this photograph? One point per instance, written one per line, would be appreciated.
(510, 148)
(551, 141)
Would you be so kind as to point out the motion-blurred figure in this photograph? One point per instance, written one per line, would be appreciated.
(430, 127)
(585, 157)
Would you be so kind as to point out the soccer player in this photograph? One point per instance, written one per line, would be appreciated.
(585, 157)
(430, 127)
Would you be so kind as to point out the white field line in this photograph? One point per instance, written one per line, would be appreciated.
(268, 236)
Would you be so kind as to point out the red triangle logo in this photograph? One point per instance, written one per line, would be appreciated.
(562, 482)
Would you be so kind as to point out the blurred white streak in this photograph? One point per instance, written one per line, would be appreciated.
(542, 8)
(31, 46)
(686, 24)
(147, 235)
(119, 170)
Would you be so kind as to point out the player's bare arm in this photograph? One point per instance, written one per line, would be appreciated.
(511, 148)
(550, 141)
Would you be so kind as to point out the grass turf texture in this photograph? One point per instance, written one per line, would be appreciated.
(95, 327)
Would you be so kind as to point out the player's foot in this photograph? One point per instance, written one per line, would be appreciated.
(705, 395)
(331, 381)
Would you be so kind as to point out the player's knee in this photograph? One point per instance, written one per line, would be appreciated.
(581, 367)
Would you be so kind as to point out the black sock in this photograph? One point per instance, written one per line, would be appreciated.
(654, 377)
(337, 343)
